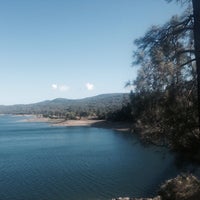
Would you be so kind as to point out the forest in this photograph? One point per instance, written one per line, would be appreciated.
(165, 101)
(114, 107)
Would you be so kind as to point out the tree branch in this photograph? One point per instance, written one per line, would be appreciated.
(187, 62)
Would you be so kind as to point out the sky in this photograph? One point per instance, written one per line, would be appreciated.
(71, 48)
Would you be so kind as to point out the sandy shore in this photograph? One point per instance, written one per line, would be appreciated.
(118, 126)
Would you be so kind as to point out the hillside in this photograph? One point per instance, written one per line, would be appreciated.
(68, 108)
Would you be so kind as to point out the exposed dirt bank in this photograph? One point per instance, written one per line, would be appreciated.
(118, 126)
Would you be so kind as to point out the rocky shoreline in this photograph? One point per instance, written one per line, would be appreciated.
(183, 187)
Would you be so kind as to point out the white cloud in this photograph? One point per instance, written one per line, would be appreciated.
(54, 86)
(89, 86)
(61, 88)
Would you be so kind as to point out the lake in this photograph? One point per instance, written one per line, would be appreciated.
(42, 162)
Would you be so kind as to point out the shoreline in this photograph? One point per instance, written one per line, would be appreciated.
(84, 122)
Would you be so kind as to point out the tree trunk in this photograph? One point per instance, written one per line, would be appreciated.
(196, 13)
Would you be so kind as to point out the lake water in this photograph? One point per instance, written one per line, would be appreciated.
(41, 162)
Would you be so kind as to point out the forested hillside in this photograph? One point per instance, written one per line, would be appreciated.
(102, 107)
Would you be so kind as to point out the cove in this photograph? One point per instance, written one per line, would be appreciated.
(41, 162)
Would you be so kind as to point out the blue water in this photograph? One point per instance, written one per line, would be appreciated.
(41, 162)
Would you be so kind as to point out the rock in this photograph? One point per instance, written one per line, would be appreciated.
(183, 187)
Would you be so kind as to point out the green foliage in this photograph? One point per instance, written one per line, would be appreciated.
(123, 114)
(99, 107)
(165, 102)
(165, 55)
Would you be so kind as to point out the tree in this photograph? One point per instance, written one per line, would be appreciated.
(196, 31)
(166, 55)
(165, 102)
(196, 15)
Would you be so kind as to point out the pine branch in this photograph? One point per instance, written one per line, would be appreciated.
(186, 63)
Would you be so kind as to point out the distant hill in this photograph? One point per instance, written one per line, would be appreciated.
(61, 107)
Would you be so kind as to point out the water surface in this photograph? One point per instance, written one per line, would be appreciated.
(41, 162)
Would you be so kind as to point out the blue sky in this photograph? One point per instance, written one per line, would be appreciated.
(71, 48)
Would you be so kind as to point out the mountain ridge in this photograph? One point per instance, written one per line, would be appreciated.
(67, 99)
(98, 103)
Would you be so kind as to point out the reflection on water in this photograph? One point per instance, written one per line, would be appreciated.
(49, 163)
